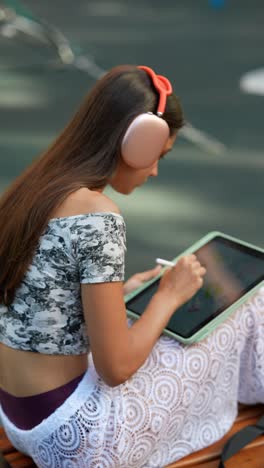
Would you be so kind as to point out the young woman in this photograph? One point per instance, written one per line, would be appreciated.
(82, 385)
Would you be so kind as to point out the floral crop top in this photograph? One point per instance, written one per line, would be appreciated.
(46, 315)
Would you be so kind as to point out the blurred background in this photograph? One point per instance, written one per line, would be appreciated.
(52, 52)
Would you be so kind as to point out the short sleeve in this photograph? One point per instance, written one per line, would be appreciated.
(99, 246)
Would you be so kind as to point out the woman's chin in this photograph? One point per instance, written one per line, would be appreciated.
(122, 190)
(127, 191)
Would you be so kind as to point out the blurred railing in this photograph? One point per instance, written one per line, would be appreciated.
(16, 19)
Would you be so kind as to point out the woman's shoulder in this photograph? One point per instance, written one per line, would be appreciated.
(84, 201)
(98, 201)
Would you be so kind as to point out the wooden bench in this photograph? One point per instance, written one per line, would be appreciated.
(252, 456)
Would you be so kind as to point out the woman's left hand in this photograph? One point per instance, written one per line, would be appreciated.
(139, 278)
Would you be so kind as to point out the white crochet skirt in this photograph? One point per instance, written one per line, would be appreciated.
(182, 399)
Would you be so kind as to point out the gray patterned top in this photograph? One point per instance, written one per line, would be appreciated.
(46, 315)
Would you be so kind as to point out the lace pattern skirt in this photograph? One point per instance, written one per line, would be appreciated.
(181, 400)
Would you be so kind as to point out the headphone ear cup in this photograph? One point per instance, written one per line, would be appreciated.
(144, 140)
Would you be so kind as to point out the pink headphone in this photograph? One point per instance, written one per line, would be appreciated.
(147, 134)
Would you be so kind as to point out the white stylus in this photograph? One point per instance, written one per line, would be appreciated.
(160, 261)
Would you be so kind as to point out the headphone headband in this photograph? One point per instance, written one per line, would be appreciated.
(147, 134)
(163, 86)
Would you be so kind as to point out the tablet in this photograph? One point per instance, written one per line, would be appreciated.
(235, 269)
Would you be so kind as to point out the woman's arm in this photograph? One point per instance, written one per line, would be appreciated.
(118, 351)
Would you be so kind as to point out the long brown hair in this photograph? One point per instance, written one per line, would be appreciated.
(85, 154)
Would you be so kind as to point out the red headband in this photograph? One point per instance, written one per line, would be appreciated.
(163, 86)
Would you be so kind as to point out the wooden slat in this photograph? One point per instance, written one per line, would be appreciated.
(249, 457)
(19, 460)
(5, 445)
(209, 457)
(246, 458)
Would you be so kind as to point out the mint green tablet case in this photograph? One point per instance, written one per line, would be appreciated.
(209, 327)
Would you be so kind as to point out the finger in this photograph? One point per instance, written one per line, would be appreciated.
(190, 258)
(154, 271)
(146, 275)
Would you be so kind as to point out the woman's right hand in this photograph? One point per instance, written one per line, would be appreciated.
(181, 282)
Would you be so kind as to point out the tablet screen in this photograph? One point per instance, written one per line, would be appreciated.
(232, 270)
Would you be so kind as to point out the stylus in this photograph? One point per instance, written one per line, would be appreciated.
(160, 261)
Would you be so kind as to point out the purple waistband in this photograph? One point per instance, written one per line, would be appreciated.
(27, 412)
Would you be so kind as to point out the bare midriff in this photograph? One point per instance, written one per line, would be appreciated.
(26, 373)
